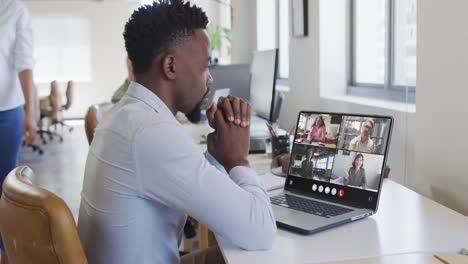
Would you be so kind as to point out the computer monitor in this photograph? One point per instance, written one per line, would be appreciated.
(236, 77)
(262, 83)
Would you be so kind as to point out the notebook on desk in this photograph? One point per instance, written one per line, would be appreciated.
(335, 171)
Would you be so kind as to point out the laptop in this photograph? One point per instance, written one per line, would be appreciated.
(335, 171)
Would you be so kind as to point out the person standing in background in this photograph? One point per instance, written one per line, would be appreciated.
(17, 97)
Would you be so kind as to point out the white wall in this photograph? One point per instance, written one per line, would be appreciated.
(442, 120)
(107, 19)
(244, 27)
(304, 81)
(318, 78)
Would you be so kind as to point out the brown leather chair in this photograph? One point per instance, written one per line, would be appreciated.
(93, 117)
(36, 225)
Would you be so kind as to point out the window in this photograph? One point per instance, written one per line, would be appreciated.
(383, 49)
(273, 31)
(62, 49)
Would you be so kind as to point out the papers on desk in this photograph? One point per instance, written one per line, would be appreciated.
(272, 182)
(451, 258)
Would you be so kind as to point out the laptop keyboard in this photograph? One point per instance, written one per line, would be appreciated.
(309, 206)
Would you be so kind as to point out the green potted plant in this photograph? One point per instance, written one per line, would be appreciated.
(217, 34)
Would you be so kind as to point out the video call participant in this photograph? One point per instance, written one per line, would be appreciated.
(356, 175)
(307, 165)
(144, 174)
(317, 132)
(363, 142)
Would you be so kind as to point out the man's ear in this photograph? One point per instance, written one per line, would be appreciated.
(169, 67)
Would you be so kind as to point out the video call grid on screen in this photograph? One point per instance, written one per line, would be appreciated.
(329, 148)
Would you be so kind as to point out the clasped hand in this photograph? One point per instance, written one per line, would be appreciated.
(229, 143)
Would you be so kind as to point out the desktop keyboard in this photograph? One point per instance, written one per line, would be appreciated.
(309, 206)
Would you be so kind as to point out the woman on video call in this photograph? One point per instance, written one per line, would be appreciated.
(317, 132)
(356, 175)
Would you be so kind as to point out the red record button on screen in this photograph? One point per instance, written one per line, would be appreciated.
(341, 193)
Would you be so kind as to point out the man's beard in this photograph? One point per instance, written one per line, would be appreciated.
(194, 116)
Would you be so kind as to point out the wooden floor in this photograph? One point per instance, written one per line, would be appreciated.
(61, 168)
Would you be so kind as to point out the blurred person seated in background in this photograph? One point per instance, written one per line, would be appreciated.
(120, 92)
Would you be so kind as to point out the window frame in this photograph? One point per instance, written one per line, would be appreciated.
(387, 90)
(280, 80)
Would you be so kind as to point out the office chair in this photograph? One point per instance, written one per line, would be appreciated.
(58, 119)
(93, 117)
(48, 108)
(36, 225)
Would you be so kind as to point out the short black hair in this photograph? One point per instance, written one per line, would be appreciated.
(153, 28)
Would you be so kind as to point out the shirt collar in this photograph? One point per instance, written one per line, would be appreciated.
(143, 94)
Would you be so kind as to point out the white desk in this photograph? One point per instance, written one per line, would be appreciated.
(405, 223)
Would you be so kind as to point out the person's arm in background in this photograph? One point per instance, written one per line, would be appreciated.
(23, 65)
(29, 123)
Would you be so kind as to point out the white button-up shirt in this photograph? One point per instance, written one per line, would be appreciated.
(144, 174)
(15, 51)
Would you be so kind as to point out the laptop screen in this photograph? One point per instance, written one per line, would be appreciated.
(340, 156)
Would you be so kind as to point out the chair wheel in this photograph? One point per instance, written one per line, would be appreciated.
(61, 139)
(70, 129)
(44, 141)
(41, 152)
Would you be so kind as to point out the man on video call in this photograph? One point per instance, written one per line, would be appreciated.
(363, 142)
(144, 174)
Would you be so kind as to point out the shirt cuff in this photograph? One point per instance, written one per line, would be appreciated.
(214, 162)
